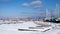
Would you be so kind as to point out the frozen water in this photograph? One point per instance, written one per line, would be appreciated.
(13, 29)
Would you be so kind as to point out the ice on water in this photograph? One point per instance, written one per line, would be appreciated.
(13, 29)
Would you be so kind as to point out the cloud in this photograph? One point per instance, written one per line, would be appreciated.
(25, 4)
(36, 3)
(33, 3)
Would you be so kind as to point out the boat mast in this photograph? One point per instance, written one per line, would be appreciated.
(57, 11)
(48, 15)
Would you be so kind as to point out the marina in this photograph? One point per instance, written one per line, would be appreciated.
(29, 16)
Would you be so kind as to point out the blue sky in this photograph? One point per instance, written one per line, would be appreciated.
(15, 8)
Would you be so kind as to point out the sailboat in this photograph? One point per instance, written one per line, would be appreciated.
(56, 18)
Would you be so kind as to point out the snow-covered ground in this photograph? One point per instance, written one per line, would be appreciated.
(13, 29)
